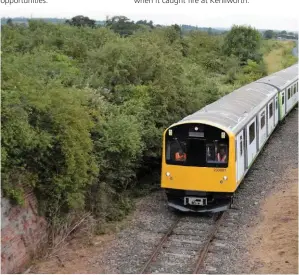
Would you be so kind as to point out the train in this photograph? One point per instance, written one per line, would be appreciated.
(207, 154)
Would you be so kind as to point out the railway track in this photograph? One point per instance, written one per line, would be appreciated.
(203, 252)
(184, 246)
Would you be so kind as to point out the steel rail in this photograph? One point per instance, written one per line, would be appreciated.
(204, 250)
(158, 248)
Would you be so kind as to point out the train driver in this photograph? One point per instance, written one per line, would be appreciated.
(180, 156)
(221, 156)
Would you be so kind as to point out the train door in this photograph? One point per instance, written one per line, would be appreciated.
(262, 127)
(282, 104)
(251, 141)
(270, 117)
(288, 100)
(294, 98)
(276, 111)
(240, 156)
(296, 92)
(291, 98)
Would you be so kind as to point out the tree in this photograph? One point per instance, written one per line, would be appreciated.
(144, 22)
(173, 33)
(9, 22)
(122, 25)
(269, 34)
(81, 21)
(243, 42)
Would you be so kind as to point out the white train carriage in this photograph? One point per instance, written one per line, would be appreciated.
(281, 91)
(286, 82)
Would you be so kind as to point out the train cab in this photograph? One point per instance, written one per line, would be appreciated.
(197, 169)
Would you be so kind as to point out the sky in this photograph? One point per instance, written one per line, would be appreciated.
(261, 14)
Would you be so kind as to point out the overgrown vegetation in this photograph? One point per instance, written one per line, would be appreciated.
(278, 54)
(83, 109)
(243, 42)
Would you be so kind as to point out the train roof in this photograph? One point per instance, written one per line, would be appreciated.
(235, 109)
(283, 78)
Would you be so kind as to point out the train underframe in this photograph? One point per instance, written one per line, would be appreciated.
(198, 201)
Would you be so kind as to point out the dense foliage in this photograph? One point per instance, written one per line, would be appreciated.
(81, 21)
(243, 42)
(83, 109)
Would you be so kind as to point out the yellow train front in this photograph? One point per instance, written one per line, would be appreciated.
(197, 167)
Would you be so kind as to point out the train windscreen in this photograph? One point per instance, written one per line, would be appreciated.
(196, 145)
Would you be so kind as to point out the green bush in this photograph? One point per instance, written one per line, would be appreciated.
(243, 42)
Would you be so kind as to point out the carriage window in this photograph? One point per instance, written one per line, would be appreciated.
(289, 93)
(276, 104)
(241, 146)
(282, 99)
(251, 132)
(216, 153)
(270, 110)
(263, 120)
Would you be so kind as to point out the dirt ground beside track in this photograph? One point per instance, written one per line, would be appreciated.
(274, 241)
(74, 258)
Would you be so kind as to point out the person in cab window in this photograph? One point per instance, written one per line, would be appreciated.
(180, 156)
(221, 156)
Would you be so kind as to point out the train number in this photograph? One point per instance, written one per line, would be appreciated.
(219, 170)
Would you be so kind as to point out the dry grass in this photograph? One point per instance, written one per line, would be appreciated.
(280, 56)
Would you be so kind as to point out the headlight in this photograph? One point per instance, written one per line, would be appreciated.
(167, 174)
(225, 177)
